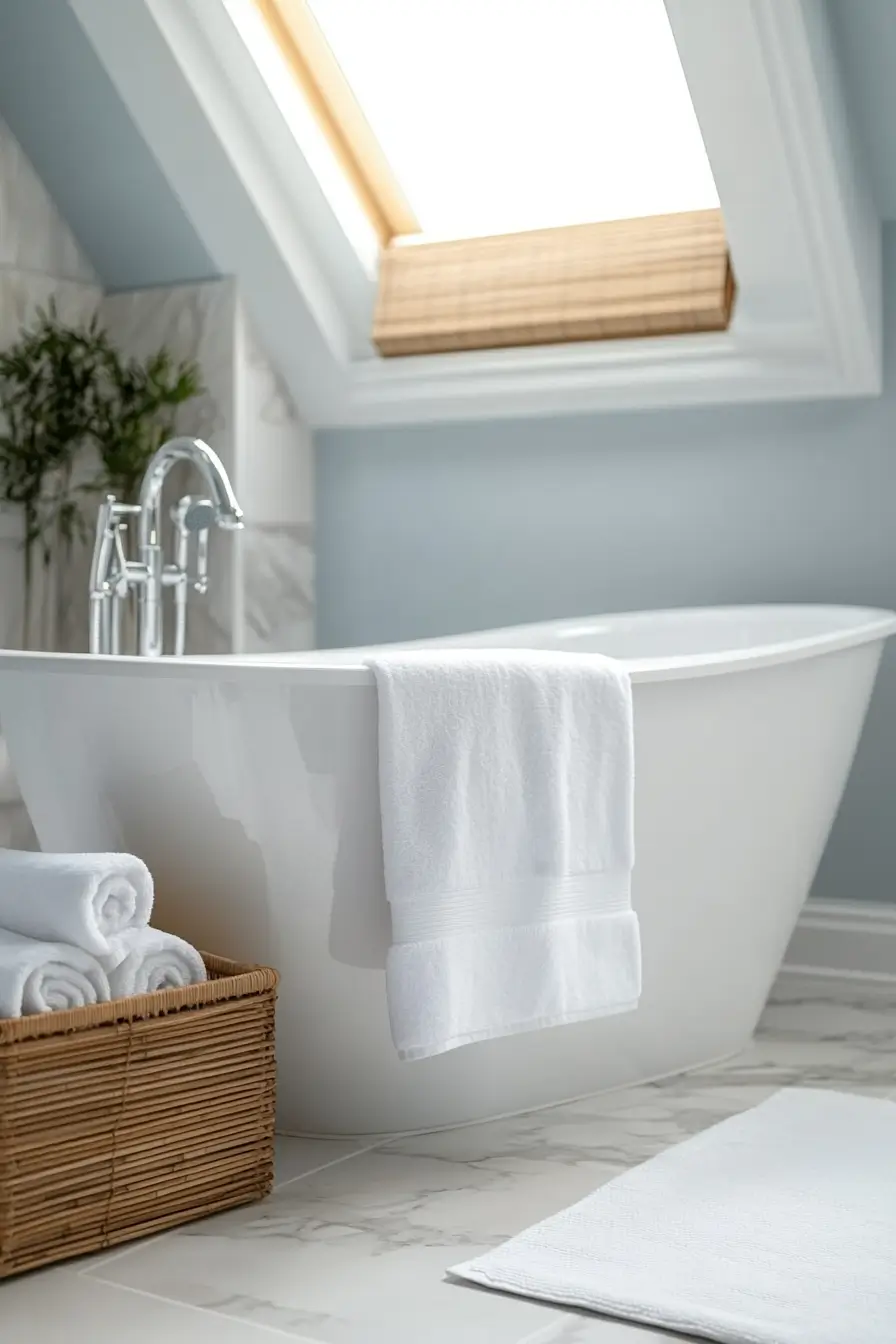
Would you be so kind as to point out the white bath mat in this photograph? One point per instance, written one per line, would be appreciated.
(775, 1227)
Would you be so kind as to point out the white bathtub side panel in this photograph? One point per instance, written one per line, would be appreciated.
(255, 804)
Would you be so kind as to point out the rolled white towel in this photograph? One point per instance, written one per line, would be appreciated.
(39, 977)
(82, 899)
(144, 960)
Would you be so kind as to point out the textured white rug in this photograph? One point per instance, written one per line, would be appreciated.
(777, 1226)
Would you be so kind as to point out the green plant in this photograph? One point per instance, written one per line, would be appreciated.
(69, 401)
(47, 389)
(135, 414)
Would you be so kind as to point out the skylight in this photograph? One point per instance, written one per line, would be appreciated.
(498, 116)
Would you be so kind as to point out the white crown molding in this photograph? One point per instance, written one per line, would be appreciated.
(804, 233)
(852, 939)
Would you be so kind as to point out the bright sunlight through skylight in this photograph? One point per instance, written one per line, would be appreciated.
(503, 115)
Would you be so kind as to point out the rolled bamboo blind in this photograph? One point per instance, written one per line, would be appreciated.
(662, 275)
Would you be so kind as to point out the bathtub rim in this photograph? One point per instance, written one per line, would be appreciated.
(870, 625)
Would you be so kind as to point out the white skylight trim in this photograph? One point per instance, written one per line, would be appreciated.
(307, 130)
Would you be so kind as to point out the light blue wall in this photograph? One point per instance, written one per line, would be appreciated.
(865, 37)
(61, 106)
(426, 531)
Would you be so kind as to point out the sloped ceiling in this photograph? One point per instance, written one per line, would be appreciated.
(64, 111)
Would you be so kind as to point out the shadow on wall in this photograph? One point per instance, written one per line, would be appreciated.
(158, 825)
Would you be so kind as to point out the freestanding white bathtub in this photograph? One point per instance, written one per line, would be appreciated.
(250, 788)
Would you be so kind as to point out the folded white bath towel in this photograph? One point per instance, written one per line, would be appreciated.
(506, 793)
(83, 899)
(142, 961)
(42, 977)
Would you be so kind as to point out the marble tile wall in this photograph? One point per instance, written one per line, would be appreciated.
(21, 294)
(262, 592)
(33, 235)
(262, 579)
(195, 322)
(40, 262)
(276, 488)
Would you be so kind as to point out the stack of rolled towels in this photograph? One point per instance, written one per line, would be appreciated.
(74, 930)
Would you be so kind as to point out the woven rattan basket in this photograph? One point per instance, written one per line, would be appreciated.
(127, 1118)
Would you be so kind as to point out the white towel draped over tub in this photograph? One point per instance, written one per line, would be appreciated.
(47, 977)
(83, 899)
(506, 793)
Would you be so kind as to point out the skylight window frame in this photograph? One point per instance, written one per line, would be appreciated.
(313, 65)
(803, 229)
(685, 287)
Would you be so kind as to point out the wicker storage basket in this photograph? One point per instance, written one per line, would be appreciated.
(127, 1118)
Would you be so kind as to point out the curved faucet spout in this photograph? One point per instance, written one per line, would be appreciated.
(227, 514)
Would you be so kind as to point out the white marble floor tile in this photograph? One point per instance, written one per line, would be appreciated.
(356, 1252)
(832, 1010)
(59, 1306)
(797, 986)
(294, 1157)
(574, 1327)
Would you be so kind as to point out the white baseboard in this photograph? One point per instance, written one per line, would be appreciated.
(856, 939)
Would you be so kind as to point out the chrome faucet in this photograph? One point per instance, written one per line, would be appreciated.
(113, 576)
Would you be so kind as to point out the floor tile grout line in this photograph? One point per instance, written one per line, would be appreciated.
(334, 1162)
(205, 1311)
(544, 1334)
(139, 1244)
(89, 1271)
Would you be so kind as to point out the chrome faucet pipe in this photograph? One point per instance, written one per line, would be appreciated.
(228, 514)
(113, 576)
(109, 576)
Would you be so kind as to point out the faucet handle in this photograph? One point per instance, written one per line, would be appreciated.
(200, 582)
(199, 515)
(118, 509)
(193, 515)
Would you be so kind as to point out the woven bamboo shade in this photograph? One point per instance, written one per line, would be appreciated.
(657, 276)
